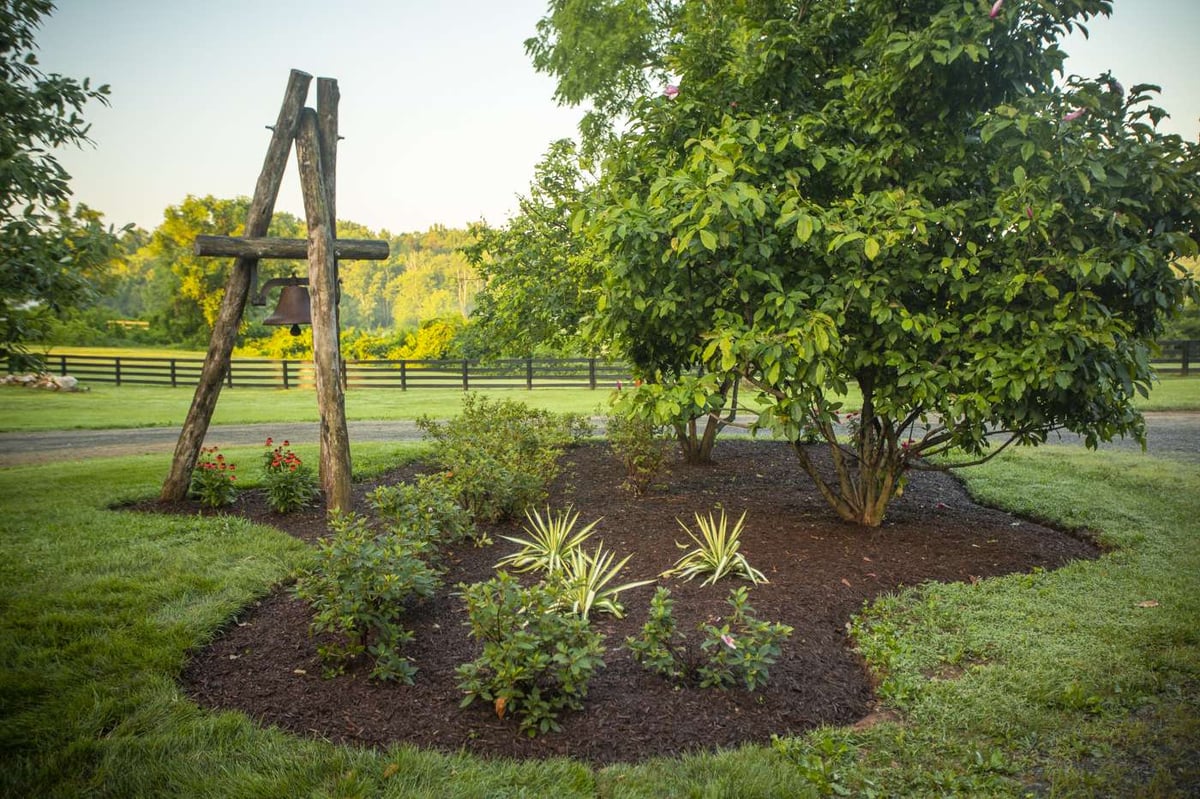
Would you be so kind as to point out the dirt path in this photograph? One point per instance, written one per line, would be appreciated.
(1171, 435)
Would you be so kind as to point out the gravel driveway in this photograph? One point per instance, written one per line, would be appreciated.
(1170, 435)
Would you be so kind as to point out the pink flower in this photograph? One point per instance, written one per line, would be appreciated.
(995, 12)
(671, 92)
(728, 641)
(1074, 115)
(618, 385)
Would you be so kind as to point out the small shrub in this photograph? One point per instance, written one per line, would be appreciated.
(716, 553)
(551, 540)
(358, 591)
(583, 583)
(639, 444)
(536, 662)
(500, 455)
(740, 649)
(214, 478)
(290, 483)
(427, 510)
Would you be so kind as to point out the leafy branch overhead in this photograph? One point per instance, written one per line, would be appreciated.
(901, 196)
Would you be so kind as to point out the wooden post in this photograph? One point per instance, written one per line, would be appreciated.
(288, 249)
(328, 98)
(237, 289)
(322, 288)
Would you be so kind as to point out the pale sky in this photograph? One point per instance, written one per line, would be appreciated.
(442, 113)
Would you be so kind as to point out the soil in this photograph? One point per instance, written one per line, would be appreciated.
(821, 571)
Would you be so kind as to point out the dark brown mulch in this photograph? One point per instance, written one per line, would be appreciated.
(821, 571)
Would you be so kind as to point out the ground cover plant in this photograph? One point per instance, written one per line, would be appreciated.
(1079, 681)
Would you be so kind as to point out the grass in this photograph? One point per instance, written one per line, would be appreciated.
(1063, 683)
(108, 406)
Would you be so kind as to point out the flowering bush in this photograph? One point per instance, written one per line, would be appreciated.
(213, 479)
(500, 454)
(740, 649)
(290, 484)
(536, 662)
(359, 589)
(428, 510)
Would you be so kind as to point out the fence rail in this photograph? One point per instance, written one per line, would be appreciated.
(526, 373)
(1176, 357)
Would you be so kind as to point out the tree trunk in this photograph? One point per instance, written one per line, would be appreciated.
(322, 286)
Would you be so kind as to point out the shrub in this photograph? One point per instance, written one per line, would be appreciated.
(550, 542)
(716, 553)
(427, 510)
(639, 444)
(536, 662)
(501, 455)
(289, 482)
(740, 649)
(358, 591)
(213, 479)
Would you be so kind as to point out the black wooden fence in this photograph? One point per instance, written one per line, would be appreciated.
(1175, 358)
(527, 373)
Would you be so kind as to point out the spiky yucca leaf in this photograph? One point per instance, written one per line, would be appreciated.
(583, 583)
(550, 541)
(716, 552)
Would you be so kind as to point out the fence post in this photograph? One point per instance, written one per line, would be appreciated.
(1186, 357)
(287, 383)
(117, 371)
(466, 378)
(62, 365)
(529, 373)
(404, 375)
(172, 373)
(592, 373)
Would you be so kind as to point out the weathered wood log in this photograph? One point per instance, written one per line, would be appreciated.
(322, 289)
(237, 290)
(287, 249)
(328, 98)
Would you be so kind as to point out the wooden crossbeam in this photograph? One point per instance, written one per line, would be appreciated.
(287, 249)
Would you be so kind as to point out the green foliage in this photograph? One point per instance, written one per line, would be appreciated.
(550, 543)
(358, 590)
(500, 455)
(695, 407)
(290, 484)
(899, 197)
(53, 258)
(536, 662)
(638, 442)
(716, 553)
(214, 479)
(537, 279)
(427, 509)
(582, 584)
(741, 649)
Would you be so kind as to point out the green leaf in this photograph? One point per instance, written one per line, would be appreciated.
(708, 239)
(871, 248)
(804, 228)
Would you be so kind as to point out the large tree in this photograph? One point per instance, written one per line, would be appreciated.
(902, 196)
(49, 255)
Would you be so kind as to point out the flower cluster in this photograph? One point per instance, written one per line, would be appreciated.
(290, 484)
(281, 458)
(213, 479)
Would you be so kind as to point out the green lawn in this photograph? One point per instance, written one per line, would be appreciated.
(1079, 682)
(107, 406)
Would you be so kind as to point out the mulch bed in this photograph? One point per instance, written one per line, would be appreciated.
(821, 570)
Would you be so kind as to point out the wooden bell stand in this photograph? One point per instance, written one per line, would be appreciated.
(315, 134)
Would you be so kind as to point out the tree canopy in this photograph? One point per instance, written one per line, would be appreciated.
(51, 255)
(902, 196)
